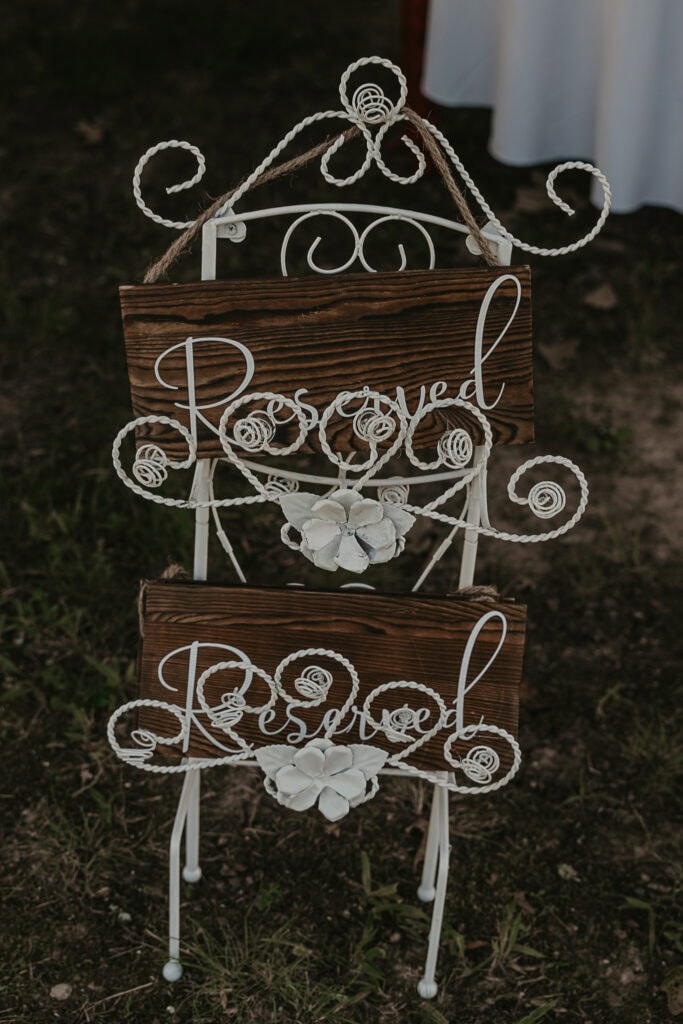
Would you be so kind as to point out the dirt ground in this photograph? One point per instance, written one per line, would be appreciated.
(565, 896)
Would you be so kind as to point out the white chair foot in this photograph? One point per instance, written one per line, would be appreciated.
(426, 893)
(192, 874)
(427, 989)
(173, 970)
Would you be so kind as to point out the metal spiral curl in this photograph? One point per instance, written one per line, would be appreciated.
(146, 746)
(230, 711)
(254, 432)
(316, 677)
(277, 485)
(456, 448)
(149, 468)
(152, 466)
(146, 740)
(394, 494)
(372, 426)
(480, 765)
(402, 719)
(546, 499)
(314, 682)
(371, 104)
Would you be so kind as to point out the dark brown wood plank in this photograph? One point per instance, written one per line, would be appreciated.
(327, 335)
(386, 638)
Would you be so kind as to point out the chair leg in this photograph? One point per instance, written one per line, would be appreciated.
(192, 871)
(427, 986)
(173, 969)
(426, 891)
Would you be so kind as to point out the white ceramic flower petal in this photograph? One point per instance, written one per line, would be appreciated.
(401, 519)
(318, 533)
(329, 510)
(350, 783)
(337, 759)
(378, 555)
(377, 535)
(290, 780)
(365, 512)
(305, 799)
(351, 555)
(297, 507)
(311, 761)
(326, 557)
(274, 757)
(346, 497)
(368, 759)
(333, 805)
(312, 556)
(320, 743)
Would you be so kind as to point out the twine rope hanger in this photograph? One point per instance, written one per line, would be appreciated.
(161, 266)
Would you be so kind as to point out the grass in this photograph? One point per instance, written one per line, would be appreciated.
(565, 898)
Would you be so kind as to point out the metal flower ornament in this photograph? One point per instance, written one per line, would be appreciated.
(333, 776)
(346, 530)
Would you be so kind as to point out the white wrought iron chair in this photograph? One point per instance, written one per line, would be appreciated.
(429, 370)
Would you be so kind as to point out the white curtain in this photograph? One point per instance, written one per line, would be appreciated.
(600, 80)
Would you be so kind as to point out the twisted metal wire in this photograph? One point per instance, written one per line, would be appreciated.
(369, 106)
(131, 756)
(194, 180)
(395, 737)
(319, 652)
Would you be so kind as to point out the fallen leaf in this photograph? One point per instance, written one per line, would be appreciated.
(92, 132)
(560, 354)
(567, 873)
(61, 991)
(602, 297)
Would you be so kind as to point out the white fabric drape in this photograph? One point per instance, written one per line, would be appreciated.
(600, 80)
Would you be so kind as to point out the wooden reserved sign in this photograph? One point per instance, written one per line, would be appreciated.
(468, 651)
(413, 336)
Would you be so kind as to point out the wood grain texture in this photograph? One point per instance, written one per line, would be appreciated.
(329, 334)
(385, 637)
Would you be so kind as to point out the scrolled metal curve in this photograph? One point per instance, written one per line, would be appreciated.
(335, 215)
(370, 425)
(482, 762)
(546, 499)
(399, 736)
(320, 677)
(189, 183)
(381, 109)
(149, 462)
(147, 740)
(395, 218)
(231, 709)
(256, 433)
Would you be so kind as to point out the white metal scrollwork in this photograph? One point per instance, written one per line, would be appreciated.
(374, 113)
(343, 526)
(316, 766)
